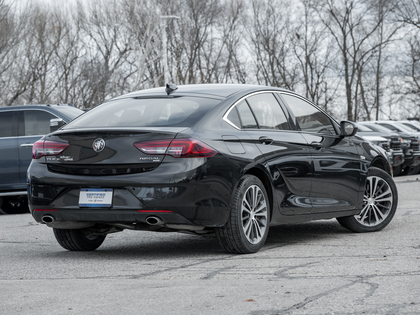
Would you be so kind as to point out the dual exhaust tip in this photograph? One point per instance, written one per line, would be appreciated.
(47, 219)
(151, 220)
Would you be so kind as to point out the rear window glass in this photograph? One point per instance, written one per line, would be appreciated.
(146, 112)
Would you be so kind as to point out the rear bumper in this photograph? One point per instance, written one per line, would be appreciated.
(190, 194)
(108, 216)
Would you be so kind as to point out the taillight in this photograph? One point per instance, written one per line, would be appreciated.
(47, 148)
(179, 148)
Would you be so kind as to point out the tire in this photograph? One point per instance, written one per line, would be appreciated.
(247, 227)
(396, 170)
(411, 170)
(376, 213)
(14, 205)
(78, 240)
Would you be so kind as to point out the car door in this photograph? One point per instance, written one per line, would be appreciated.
(33, 124)
(337, 165)
(9, 157)
(285, 151)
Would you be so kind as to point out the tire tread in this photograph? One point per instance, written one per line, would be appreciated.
(74, 240)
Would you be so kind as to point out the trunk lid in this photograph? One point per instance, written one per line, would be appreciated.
(107, 152)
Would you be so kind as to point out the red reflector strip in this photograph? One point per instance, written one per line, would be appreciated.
(46, 210)
(154, 211)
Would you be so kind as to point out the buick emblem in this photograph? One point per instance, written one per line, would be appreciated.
(98, 145)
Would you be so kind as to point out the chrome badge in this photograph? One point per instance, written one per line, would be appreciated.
(98, 145)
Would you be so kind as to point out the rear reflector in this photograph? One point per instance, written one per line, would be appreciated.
(53, 210)
(178, 148)
(47, 148)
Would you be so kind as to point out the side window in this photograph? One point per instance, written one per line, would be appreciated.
(247, 118)
(268, 112)
(7, 128)
(308, 116)
(233, 117)
(37, 122)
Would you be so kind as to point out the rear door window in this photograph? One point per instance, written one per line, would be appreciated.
(247, 118)
(268, 112)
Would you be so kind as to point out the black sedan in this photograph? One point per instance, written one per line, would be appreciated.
(228, 160)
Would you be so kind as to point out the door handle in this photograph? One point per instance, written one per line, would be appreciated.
(265, 140)
(27, 145)
(316, 145)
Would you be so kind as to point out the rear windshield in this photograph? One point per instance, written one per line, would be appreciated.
(146, 112)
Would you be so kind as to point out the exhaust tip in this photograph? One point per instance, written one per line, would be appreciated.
(153, 220)
(47, 219)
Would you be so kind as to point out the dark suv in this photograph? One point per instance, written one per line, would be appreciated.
(20, 127)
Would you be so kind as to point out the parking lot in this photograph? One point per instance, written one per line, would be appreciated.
(311, 268)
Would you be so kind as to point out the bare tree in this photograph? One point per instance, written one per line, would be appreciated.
(142, 20)
(270, 28)
(353, 25)
(107, 47)
(316, 54)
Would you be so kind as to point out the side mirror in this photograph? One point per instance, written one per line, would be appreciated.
(56, 123)
(348, 128)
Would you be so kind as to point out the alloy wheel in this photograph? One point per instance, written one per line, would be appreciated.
(377, 202)
(254, 214)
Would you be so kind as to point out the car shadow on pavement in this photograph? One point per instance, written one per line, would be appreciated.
(177, 245)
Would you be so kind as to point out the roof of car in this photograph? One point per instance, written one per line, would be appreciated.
(34, 106)
(214, 90)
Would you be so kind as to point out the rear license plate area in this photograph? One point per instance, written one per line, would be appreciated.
(96, 197)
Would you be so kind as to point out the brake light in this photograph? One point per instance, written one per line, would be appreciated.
(179, 148)
(47, 148)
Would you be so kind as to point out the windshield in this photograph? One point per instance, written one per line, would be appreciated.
(405, 128)
(146, 112)
(68, 111)
(378, 128)
(363, 128)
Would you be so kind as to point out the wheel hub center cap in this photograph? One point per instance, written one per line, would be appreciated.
(371, 201)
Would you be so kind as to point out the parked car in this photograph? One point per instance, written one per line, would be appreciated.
(221, 159)
(412, 151)
(390, 142)
(413, 124)
(20, 127)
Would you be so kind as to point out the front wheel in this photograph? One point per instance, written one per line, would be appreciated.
(379, 204)
(78, 239)
(246, 230)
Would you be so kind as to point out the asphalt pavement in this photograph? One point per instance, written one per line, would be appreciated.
(312, 268)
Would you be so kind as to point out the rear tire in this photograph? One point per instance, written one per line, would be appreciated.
(396, 170)
(246, 230)
(14, 205)
(78, 239)
(411, 170)
(379, 204)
